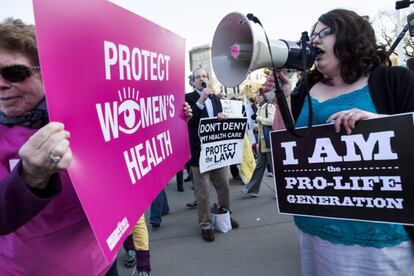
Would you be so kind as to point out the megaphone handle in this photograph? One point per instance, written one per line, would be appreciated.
(280, 95)
(283, 107)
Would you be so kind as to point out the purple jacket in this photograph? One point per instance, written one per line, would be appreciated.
(42, 236)
(18, 204)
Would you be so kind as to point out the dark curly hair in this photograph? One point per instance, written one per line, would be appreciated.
(355, 45)
(19, 37)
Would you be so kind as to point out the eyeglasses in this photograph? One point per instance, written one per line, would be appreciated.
(18, 72)
(323, 33)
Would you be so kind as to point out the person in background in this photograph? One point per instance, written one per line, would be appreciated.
(350, 83)
(136, 246)
(159, 208)
(234, 170)
(192, 204)
(255, 133)
(180, 177)
(264, 117)
(43, 228)
(205, 104)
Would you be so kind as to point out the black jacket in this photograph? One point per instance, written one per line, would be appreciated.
(193, 124)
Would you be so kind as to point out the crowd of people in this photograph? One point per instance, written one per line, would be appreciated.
(42, 221)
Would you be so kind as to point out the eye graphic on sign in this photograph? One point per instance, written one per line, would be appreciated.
(129, 111)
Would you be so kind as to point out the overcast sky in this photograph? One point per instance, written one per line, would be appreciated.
(196, 21)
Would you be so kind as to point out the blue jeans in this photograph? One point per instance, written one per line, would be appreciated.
(159, 207)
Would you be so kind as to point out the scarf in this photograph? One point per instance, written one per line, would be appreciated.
(36, 119)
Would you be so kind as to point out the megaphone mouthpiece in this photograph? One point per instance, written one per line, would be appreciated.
(235, 50)
(242, 52)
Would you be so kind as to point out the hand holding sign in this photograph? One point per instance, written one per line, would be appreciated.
(188, 112)
(348, 118)
(221, 116)
(45, 153)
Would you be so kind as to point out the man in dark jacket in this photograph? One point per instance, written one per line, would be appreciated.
(205, 104)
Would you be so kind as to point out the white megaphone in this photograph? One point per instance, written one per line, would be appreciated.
(240, 47)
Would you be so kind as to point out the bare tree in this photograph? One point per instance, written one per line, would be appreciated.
(386, 29)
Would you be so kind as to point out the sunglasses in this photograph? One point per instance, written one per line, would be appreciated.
(18, 72)
(323, 33)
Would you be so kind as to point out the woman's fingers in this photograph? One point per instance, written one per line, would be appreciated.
(58, 150)
(348, 119)
(284, 82)
(282, 76)
(346, 122)
(46, 152)
(52, 142)
(66, 160)
(353, 118)
(37, 139)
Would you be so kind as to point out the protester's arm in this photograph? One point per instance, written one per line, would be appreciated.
(196, 112)
(19, 203)
(32, 184)
(199, 106)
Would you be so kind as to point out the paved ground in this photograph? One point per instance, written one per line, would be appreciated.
(265, 244)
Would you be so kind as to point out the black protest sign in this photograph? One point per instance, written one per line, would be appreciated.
(221, 142)
(368, 175)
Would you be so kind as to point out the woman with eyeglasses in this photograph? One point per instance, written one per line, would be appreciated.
(349, 83)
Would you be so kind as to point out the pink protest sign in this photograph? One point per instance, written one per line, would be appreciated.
(117, 82)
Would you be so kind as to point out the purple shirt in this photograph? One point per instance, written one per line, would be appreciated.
(41, 236)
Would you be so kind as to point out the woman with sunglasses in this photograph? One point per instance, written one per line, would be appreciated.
(350, 83)
(43, 228)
